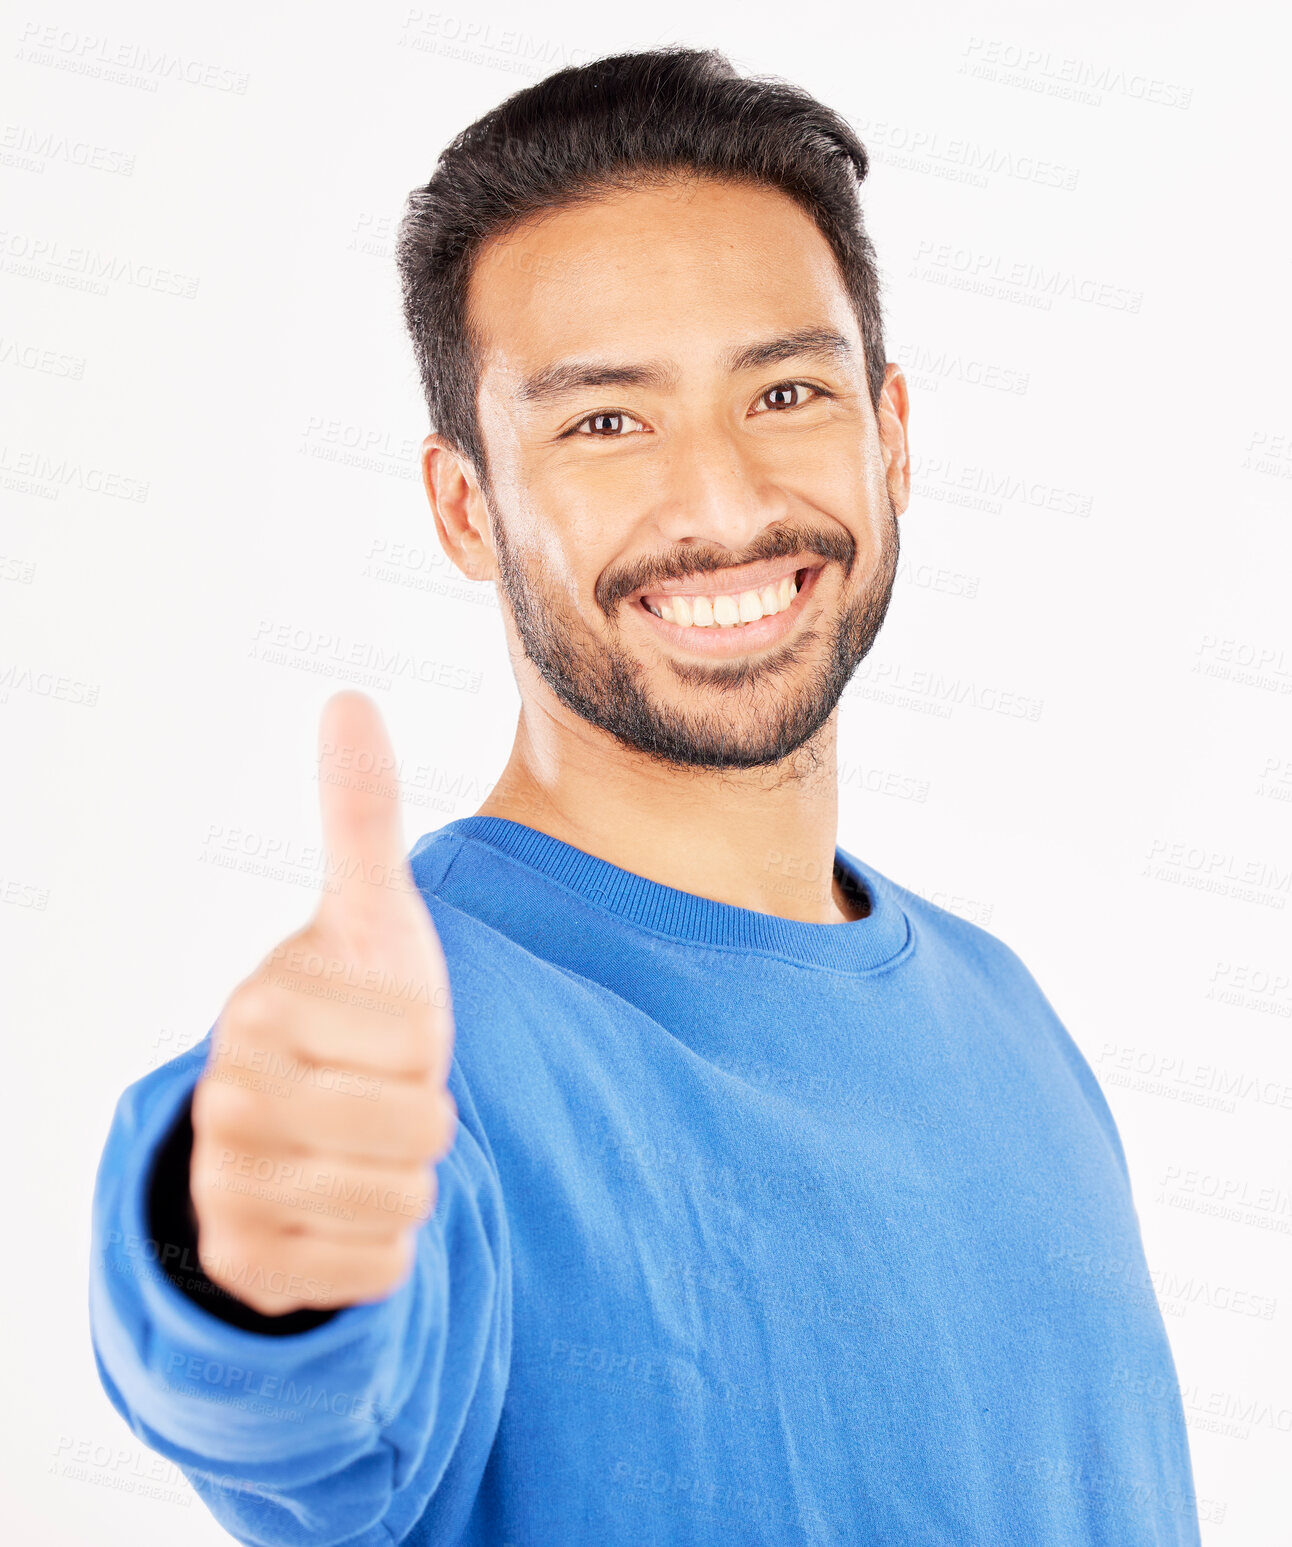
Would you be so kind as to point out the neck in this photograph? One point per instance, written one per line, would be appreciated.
(761, 838)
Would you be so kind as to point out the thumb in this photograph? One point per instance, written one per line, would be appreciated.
(359, 801)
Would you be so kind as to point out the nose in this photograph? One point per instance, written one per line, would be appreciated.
(718, 490)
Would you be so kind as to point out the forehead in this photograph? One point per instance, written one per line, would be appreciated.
(689, 266)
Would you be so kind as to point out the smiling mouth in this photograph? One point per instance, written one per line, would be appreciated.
(768, 590)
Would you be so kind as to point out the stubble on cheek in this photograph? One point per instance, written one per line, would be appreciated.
(734, 714)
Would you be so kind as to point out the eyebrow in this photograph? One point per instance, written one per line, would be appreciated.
(565, 376)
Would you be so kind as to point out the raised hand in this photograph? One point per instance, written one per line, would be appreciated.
(323, 1105)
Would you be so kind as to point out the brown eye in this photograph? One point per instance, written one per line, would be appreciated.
(606, 425)
(785, 389)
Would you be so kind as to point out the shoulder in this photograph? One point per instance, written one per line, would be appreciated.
(953, 936)
(965, 952)
(492, 974)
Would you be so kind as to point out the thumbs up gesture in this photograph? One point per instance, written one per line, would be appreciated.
(324, 1105)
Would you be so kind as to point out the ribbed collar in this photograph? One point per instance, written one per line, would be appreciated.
(859, 946)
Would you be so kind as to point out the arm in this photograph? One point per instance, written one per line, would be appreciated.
(309, 1311)
(350, 1426)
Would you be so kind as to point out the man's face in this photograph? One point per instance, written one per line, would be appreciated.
(693, 509)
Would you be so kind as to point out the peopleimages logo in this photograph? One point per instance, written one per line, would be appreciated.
(126, 64)
(34, 357)
(930, 150)
(1064, 75)
(31, 149)
(86, 268)
(364, 663)
(47, 475)
(1020, 281)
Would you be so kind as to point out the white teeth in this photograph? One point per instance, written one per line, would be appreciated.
(727, 610)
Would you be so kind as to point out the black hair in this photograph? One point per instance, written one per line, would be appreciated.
(621, 121)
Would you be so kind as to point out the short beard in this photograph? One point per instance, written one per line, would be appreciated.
(604, 684)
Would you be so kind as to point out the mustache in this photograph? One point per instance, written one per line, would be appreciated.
(778, 542)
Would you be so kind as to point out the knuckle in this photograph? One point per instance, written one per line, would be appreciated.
(369, 1270)
(221, 1104)
(255, 1011)
(203, 1107)
(440, 1126)
(223, 1254)
(204, 1189)
(433, 1126)
(425, 1142)
(239, 1264)
(206, 1176)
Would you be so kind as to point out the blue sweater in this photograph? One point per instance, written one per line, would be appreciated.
(754, 1231)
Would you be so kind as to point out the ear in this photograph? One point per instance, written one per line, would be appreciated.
(892, 415)
(458, 506)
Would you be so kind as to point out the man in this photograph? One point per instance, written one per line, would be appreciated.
(653, 1171)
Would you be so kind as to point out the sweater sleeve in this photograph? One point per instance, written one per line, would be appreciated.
(351, 1429)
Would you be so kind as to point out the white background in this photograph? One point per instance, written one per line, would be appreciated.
(1094, 329)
